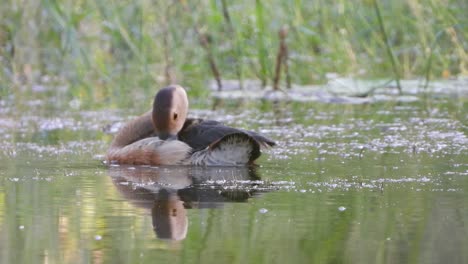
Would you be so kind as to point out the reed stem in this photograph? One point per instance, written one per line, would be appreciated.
(387, 45)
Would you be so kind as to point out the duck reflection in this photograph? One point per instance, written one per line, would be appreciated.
(169, 191)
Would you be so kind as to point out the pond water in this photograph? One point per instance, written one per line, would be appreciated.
(382, 182)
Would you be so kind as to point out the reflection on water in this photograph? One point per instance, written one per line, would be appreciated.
(169, 191)
(376, 183)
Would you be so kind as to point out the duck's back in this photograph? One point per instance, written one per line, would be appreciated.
(200, 134)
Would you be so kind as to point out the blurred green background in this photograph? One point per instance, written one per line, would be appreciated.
(101, 49)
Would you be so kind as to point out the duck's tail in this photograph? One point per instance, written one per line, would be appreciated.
(234, 149)
(262, 140)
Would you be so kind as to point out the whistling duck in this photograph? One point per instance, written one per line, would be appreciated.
(165, 136)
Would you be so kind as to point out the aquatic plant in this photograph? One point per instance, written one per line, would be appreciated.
(102, 49)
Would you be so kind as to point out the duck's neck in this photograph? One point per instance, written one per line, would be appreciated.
(138, 128)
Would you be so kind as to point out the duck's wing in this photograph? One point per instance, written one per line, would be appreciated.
(236, 149)
(199, 134)
(262, 140)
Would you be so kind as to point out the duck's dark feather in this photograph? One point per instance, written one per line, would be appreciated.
(199, 134)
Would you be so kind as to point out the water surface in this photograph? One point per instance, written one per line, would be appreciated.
(384, 182)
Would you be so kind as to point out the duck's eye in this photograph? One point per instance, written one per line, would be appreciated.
(175, 116)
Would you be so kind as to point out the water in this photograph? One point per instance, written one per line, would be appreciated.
(384, 182)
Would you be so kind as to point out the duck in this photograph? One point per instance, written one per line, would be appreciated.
(166, 136)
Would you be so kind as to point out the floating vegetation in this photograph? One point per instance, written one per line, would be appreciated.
(347, 91)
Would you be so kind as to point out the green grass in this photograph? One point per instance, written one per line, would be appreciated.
(103, 49)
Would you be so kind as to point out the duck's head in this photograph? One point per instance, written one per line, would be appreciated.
(170, 109)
